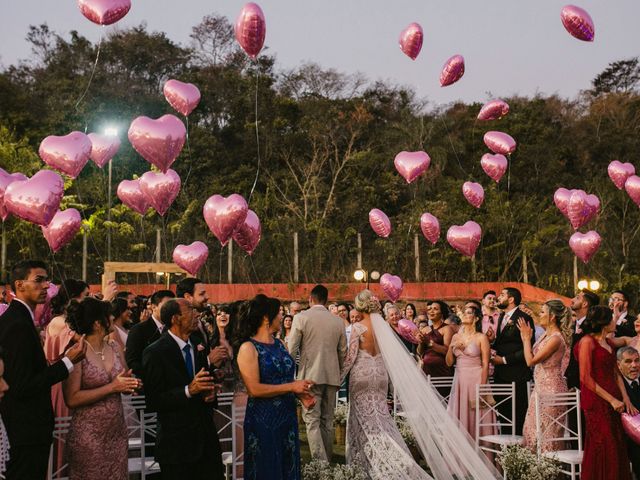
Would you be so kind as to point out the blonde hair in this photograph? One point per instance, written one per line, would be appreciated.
(563, 318)
(366, 302)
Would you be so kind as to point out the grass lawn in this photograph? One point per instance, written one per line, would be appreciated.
(305, 455)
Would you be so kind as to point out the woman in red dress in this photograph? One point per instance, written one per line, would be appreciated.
(603, 398)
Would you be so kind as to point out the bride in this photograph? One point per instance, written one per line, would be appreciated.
(373, 440)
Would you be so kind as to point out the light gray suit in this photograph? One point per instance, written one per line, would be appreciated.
(320, 338)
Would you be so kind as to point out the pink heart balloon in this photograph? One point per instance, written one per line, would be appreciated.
(161, 189)
(192, 257)
(411, 40)
(7, 179)
(466, 238)
(225, 215)
(493, 110)
(474, 193)
(631, 426)
(183, 97)
(63, 227)
(494, 165)
(104, 12)
(407, 330)
(582, 208)
(131, 195)
(430, 227)
(380, 222)
(619, 172)
(500, 142)
(158, 141)
(3, 307)
(593, 203)
(578, 23)
(391, 285)
(452, 71)
(103, 148)
(68, 154)
(561, 199)
(37, 199)
(632, 186)
(585, 245)
(411, 164)
(249, 233)
(251, 29)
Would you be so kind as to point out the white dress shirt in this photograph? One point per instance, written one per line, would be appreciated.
(181, 343)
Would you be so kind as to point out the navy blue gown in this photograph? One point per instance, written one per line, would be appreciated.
(271, 444)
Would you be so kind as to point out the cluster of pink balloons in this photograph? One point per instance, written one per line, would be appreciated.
(230, 217)
(580, 208)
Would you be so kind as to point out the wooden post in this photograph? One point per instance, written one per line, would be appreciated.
(474, 271)
(416, 254)
(158, 245)
(525, 271)
(230, 263)
(359, 259)
(296, 277)
(84, 254)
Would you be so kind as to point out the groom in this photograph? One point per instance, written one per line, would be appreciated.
(320, 337)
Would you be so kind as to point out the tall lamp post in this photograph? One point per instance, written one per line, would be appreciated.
(110, 132)
(361, 275)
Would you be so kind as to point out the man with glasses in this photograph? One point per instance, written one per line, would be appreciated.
(619, 304)
(26, 408)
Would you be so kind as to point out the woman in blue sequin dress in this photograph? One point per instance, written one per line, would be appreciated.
(271, 445)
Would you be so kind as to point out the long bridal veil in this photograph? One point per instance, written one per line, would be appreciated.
(448, 449)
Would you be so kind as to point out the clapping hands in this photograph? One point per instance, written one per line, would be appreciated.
(526, 332)
(125, 383)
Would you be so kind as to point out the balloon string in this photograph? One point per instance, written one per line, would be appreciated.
(220, 257)
(93, 72)
(253, 267)
(255, 182)
(186, 180)
(452, 146)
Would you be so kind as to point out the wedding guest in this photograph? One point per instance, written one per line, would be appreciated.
(287, 321)
(121, 313)
(634, 342)
(132, 304)
(26, 408)
(194, 291)
(509, 360)
(343, 313)
(4, 439)
(603, 397)
(333, 308)
(3, 292)
(470, 352)
(220, 341)
(629, 366)
(549, 358)
(294, 308)
(434, 343)
(410, 313)
(619, 304)
(394, 316)
(580, 305)
(490, 314)
(354, 316)
(271, 445)
(93, 391)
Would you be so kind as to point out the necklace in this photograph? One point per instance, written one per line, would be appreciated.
(99, 353)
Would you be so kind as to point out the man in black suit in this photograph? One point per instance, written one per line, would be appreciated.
(510, 365)
(26, 408)
(180, 388)
(619, 304)
(145, 333)
(629, 365)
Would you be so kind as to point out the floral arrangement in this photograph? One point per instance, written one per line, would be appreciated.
(520, 463)
(321, 470)
(405, 431)
(341, 414)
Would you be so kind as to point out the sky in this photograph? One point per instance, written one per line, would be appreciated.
(511, 47)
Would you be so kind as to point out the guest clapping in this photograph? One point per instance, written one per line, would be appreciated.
(434, 343)
(221, 355)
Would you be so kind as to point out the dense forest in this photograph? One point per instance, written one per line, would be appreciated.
(325, 144)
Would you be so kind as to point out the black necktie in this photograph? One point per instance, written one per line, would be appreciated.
(635, 386)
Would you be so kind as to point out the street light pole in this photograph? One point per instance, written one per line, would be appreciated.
(109, 215)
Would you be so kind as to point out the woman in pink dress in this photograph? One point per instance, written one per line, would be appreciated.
(470, 352)
(549, 357)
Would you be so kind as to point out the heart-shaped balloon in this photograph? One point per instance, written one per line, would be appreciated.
(619, 172)
(380, 223)
(585, 245)
(249, 233)
(37, 199)
(631, 426)
(452, 71)
(578, 23)
(104, 12)
(63, 227)
(103, 148)
(251, 29)
(500, 142)
(474, 193)
(494, 165)
(632, 186)
(391, 285)
(5, 180)
(3, 307)
(493, 110)
(183, 97)
(161, 189)
(158, 141)
(68, 154)
(466, 238)
(131, 195)
(192, 257)
(225, 215)
(407, 330)
(411, 164)
(582, 208)
(593, 204)
(430, 227)
(561, 199)
(411, 40)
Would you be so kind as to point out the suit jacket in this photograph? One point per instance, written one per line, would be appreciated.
(26, 407)
(572, 373)
(185, 425)
(634, 396)
(140, 337)
(508, 344)
(626, 328)
(320, 337)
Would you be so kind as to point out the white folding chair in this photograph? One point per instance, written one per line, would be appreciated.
(485, 411)
(223, 413)
(60, 431)
(442, 382)
(132, 406)
(237, 454)
(144, 435)
(552, 412)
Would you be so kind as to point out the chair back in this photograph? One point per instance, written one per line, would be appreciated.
(553, 411)
(490, 398)
(442, 383)
(60, 430)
